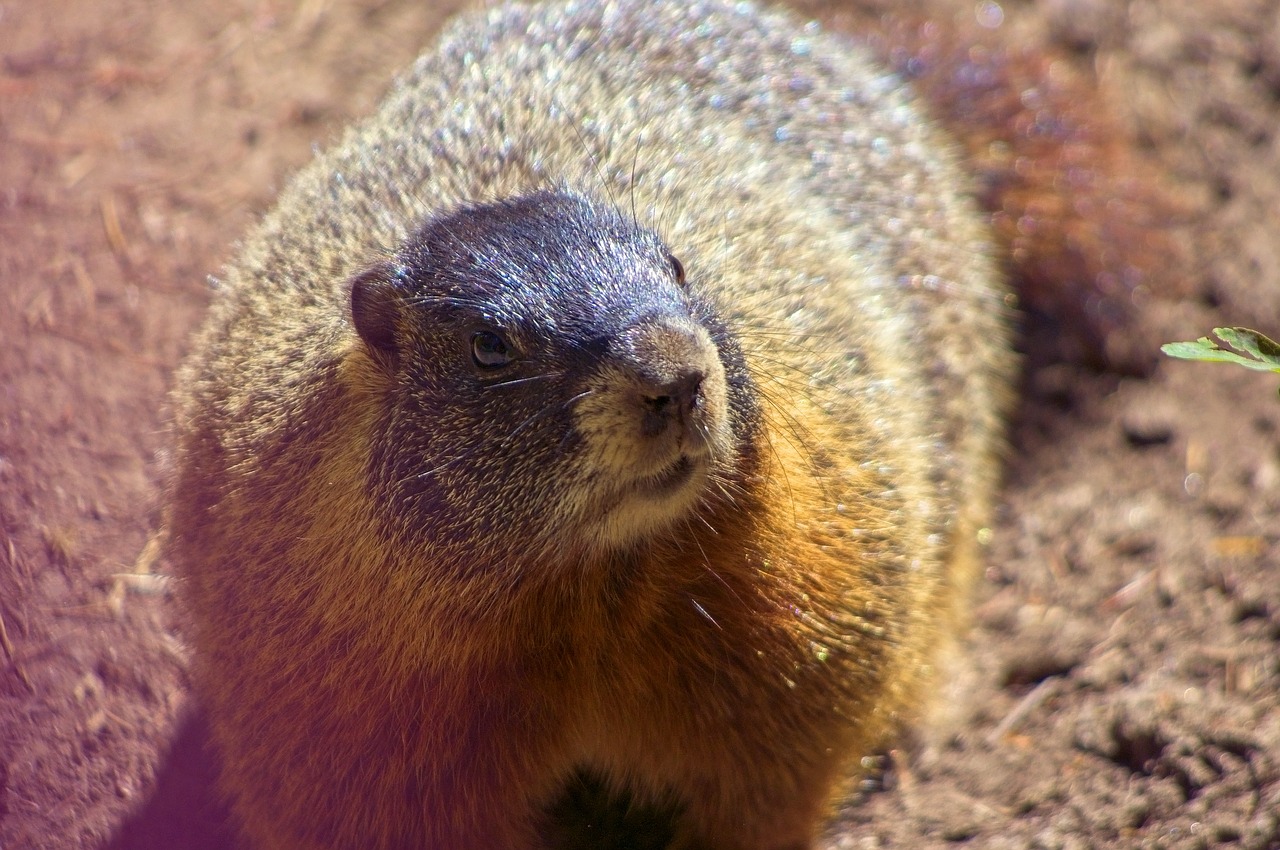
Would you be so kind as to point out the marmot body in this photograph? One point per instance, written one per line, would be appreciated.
(620, 404)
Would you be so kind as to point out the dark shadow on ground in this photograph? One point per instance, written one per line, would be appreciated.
(185, 812)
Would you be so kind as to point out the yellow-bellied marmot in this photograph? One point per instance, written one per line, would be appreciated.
(616, 408)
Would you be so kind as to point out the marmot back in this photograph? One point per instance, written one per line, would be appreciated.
(618, 405)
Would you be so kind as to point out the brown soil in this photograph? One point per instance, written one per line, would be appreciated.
(1124, 686)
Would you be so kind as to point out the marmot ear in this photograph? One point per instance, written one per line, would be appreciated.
(375, 310)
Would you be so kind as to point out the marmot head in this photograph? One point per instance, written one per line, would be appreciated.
(555, 384)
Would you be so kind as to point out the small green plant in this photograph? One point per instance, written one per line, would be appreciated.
(1256, 351)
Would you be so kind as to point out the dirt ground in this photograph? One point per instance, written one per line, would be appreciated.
(1124, 688)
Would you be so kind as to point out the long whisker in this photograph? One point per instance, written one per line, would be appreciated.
(527, 379)
(706, 565)
(635, 159)
(592, 157)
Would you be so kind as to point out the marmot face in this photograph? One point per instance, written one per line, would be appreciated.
(546, 339)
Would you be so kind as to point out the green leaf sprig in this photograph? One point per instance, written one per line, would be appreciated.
(1256, 351)
(1265, 352)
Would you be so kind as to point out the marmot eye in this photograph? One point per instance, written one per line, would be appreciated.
(677, 267)
(489, 350)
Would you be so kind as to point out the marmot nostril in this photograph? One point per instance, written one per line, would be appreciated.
(688, 390)
(678, 396)
(674, 402)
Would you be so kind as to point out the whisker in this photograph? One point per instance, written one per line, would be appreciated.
(706, 565)
(703, 612)
(635, 159)
(592, 157)
(525, 380)
(423, 298)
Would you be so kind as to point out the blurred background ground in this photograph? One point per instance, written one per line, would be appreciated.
(1124, 688)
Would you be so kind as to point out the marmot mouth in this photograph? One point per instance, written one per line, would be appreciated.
(669, 480)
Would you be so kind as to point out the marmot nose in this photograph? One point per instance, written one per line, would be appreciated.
(674, 401)
(669, 358)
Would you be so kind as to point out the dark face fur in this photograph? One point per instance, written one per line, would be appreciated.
(557, 386)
